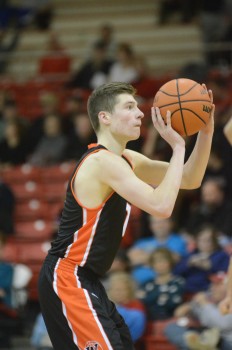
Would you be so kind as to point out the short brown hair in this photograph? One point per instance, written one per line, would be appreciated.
(166, 253)
(104, 98)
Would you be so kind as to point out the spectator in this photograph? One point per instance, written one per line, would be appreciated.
(127, 67)
(163, 294)
(10, 113)
(121, 291)
(50, 149)
(74, 105)
(13, 150)
(7, 205)
(204, 308)
(208, 258)
(94, 72)
(6, 48)
(49, 105)
(163, 236)
(80, 138)
(106, 37)
(43, 14)
(214, 208)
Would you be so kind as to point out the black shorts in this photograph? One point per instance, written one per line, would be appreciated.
(77, 311)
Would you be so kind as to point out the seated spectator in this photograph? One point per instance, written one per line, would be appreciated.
(204, 309)
(50, 149)
(43, 14)
(163, 236)
(94, 71)
(13, 148)
(7, 48)
(208, 258)
(49, 105)
(7, 205)
(106, 36)
(9, 112)
(128, 66)
(214, 208)
(74, 105)
(82, 135)
(162, 295)
(121, 291)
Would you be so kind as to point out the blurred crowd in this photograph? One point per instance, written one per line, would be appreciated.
(171, 270)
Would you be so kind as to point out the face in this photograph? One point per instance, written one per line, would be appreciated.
(205, 242)
(161, 228)
(125, 120)
(161, 265)
(119, 291)
(52, 126)
(211, 193)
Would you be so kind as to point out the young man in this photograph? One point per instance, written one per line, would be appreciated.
(76, 309)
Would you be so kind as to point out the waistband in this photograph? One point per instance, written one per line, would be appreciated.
(70, 266)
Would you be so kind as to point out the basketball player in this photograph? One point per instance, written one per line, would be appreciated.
(108, 177)
(226, 304)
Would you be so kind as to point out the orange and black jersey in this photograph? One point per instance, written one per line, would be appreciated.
(91, 237)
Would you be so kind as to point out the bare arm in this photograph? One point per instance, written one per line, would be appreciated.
(194, 168)
(152, 171)
(119, 176)
(228, 130)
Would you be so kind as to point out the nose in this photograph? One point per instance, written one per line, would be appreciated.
(141, 114)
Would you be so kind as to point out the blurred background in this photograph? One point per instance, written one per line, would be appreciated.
(52, 55)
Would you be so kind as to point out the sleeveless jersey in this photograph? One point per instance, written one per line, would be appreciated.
(91, 237)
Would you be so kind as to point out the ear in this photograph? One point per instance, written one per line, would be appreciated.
(104, 118)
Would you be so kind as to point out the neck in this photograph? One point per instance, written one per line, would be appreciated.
(112, 144)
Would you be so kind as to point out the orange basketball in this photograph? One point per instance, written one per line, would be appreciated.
(188, 102)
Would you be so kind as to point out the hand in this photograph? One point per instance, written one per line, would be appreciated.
(200, 298)
(165, 130)
(209, 128)
(225, 306)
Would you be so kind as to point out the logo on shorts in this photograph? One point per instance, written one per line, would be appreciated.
(93, 345)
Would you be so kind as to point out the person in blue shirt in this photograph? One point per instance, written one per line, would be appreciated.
(163, 236)
(208, 258)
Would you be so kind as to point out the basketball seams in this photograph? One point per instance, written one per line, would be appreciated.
(190, 110)
(183, 101)
(181, 112)
(184, 93)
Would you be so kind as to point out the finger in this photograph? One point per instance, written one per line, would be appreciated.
(212, 110)
(211, 95)
(204, 86)
(168, 119)
(159, 117)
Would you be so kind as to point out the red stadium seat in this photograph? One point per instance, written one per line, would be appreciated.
(57, 173)
(32, 252)
(55, 65)
(21, 174)
(32, 210)
(40, 230)
(27, 190)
